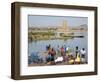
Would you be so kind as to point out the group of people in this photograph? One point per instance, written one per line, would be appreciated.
(66, 54)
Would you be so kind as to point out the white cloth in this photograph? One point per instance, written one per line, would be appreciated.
(83, 52)
(67, 48)
(59, 59)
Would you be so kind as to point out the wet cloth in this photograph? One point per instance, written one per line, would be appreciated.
(83, 52)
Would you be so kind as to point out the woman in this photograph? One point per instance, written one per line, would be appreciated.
(77, 51)
(62, 51)
(52, 53)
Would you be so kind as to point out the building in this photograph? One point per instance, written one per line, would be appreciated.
(58, 30)
(63, 30)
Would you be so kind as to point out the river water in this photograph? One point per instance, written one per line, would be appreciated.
(40, 46)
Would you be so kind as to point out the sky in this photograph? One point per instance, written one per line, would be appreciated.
(45, 21)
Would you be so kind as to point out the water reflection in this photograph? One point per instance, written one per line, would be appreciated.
(37, 47)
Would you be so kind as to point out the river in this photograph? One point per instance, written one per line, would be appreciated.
(40, 46)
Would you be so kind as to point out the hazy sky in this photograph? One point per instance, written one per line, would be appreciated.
(36, 20)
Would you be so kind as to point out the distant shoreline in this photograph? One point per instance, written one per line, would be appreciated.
(53, 38)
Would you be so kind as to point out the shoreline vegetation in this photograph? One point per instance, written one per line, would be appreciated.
(35, 36)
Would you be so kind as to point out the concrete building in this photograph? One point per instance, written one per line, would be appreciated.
(58, 30)
(63, 30)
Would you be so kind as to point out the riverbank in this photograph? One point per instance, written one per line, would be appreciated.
(53, 38)
(69, 59)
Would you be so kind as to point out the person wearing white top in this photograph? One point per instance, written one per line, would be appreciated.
(83, 52)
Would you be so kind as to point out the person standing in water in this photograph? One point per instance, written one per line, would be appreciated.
(83, 52)
(65, 49)
(53, 53)
(76, 51)
(58, 51)
(62, 51)
(48, 47)
(68, 50)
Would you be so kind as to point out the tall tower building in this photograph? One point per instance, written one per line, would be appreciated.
(65, 26)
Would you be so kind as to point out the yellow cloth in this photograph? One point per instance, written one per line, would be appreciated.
(78, 59)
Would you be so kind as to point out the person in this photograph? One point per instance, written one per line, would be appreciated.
(62, 51)
(48, 47)
(68, 50)
(48, 59)
(52, 53)
(64, 48)
(83, 60)
(83, 52)
(78, 59)
(58, 50)
(77, 51)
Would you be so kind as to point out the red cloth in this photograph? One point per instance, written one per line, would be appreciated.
(62, 50)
